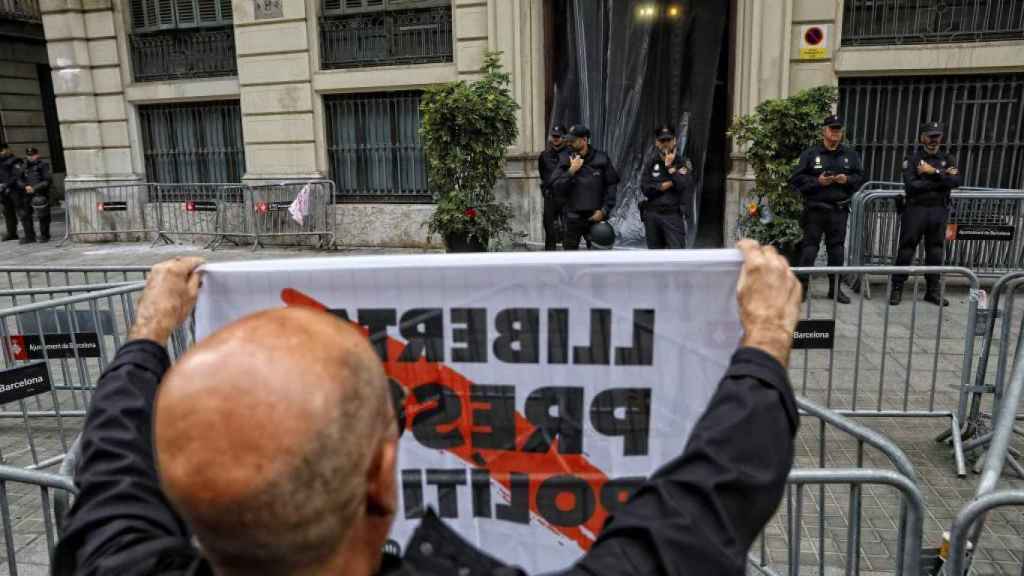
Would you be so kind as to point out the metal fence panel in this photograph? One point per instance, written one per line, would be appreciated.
(983, 114)
(188, 210)
(187, 143)
(29, 517)
(111, 212)
(386, 38)
(272, 221)
(884, 22)
(374, 147)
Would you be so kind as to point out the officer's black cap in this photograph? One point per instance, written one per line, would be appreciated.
(579, 131)
(30, 151)
(932, 129)
(664, 132)
(832, 121)
(558, 130)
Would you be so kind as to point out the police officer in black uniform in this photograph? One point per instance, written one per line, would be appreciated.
(10, 171)
(827, 176)
(547, 163)
(929, 174)
(667, 187)
(585, 181)
(35, 186)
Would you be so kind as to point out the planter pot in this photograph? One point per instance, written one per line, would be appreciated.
(462, 243)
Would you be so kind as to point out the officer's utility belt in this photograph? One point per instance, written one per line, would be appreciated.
(844, 205)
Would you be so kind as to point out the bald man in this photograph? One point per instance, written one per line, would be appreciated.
(271, 449)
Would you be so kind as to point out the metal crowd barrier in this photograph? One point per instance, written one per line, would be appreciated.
(60, 347)
(32, 507)
(257, 214)
(870, 359)
(988, 223)
(53, 277)
(844, 474)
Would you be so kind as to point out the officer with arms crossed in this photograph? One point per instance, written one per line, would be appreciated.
(668, 188)
(827, 176)
(547, 163)
(10, 170)
(928, 175)
(585, 181)
(35, 181)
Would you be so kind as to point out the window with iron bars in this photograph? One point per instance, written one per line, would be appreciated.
(359, 33)
(178, 39)
(374, 147)
(885, 22)
(184, 143)
(983, 115)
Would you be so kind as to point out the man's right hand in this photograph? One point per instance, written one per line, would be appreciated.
(170, 294)
(666, 185)
(575, 164)
(925, 168)
(769, 300)
(824, 180)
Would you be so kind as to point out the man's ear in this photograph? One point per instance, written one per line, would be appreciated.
(381, 480)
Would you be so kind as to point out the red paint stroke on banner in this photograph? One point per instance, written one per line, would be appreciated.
(501, 464)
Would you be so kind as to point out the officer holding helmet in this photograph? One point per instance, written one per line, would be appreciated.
(585, 181)
(929, 175)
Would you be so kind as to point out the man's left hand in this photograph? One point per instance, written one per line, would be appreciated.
(598, 216)
(171, 291)
(840, 179)
(28, 189)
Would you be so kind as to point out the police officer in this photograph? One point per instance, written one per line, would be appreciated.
(929, 174)
(827, 176)
(547, 163)
(35, 183)
(585, 181)
(10, 171)
(667, 187)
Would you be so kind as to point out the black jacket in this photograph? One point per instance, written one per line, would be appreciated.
(682, 183)
(36, 175)
(11, 168)
(699, 514)
(592, 187)
(547, 163)
(929, 189)
(817, 160)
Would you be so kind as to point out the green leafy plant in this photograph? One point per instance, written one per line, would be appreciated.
(774, 136)
(466, 129)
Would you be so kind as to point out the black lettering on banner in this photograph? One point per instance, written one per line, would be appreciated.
(499, 417)
(582, 495)
(423, 330)
(642, 351)
(558, 336)
(566, 426)
(446, 482)
(617, 491)
(985, 232)
(480, 480)
(472, 333)
(24, 382)
(518, 339)
(814, 335)
(633, 426)
(412, 493)
(447, 410)
(340, 313)
(518, 508)
(77, 345)
(598, 352)
(377, 321)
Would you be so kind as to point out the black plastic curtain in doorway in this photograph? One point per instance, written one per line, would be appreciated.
(627, 66)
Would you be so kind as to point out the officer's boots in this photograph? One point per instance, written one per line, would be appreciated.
(835, 291)
(896, 296)
(934, 297)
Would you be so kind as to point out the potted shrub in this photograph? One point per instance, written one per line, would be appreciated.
(774, 136)
(466, 129)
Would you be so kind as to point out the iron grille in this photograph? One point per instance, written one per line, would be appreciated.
(983, 115)
(885, 22)
(193, 142)
(386, 38)
(24, 10)
(176, 39)
(374, 147)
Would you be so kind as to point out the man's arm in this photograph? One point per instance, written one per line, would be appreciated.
(542, 170)
(611, 183)
(701, 512)
(561, 180)
(648, 184)
(954, 180)
(913, 181)
(121, 523)
(44, 179)
(802, 180)
(855, 175)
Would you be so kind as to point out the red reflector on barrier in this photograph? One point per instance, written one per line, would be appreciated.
(262, 207)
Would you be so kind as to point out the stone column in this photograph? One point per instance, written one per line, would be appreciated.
(760, 72)
(276, 91)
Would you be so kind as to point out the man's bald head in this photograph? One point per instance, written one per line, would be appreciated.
(266, 435)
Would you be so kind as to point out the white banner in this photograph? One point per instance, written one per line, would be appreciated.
(542, 386)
